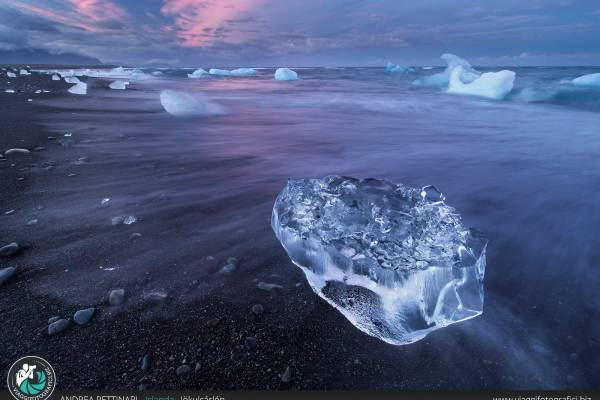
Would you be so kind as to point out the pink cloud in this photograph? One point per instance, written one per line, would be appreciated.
(82, 14)
(98, 10)
(201, 22)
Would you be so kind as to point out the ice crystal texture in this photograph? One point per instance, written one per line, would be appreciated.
(394, 260)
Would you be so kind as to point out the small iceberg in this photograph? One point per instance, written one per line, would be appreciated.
(11, 74)
(285, 74)
(219, 72)
(243, 72)
(78, 88)
(395, 69)
(72, 79)
(442, 79)
(119, 85)
(186, 104)
(491, 85)
(9, 91)
(199, 73)
(589, 80)
(24, 72)
(55, 77)
(158, 73)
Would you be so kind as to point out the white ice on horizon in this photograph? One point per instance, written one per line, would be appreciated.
(395, 68)
(243, 72)
(78, 88)
(11, 74)
(186, 104)
(55, 77)
(199, 73)
(587, 80)
(114, 73)
(442, 79)
(219, 72)
(119, 85)
(285, 74)
(491, 85)
(460, 78)
(24, 72)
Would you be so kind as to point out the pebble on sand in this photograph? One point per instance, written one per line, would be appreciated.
(227, 269)
(146, 362)
(268, 286)
(287, 375)
(183, 370)
(16, 151)
(57, 326)
(84, 316)
(116, 297)
(250, 342)
(155, 296)
(6, 273)
(258, 309)
(11, 249)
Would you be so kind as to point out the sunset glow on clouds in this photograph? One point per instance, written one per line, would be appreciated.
(305, 32)
(200, 22)
(89, 15)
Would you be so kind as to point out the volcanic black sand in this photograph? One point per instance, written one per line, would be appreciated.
(223, 343)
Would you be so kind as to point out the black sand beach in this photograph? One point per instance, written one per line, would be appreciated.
(199, 206)
(296, 332)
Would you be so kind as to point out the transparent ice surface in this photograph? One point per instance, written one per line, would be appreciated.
(395, 261)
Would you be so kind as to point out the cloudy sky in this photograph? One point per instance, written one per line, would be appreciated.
(306, 32)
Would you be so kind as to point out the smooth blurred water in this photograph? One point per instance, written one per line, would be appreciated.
(525, 171)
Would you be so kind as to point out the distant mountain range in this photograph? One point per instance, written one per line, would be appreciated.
(39, 56)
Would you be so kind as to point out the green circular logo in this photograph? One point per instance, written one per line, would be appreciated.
(31, 378)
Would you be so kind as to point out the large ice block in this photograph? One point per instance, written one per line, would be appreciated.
(396, 261)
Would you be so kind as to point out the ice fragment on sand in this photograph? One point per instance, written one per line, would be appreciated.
(78, 88)
(396, 261)
(186, 104)
(118, 84)
(285, 74)
(72, 79)
(11, 74)
(55, 77)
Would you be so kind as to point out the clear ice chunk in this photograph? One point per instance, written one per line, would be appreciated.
(394, 260)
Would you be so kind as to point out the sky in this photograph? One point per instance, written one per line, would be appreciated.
(228, 33)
